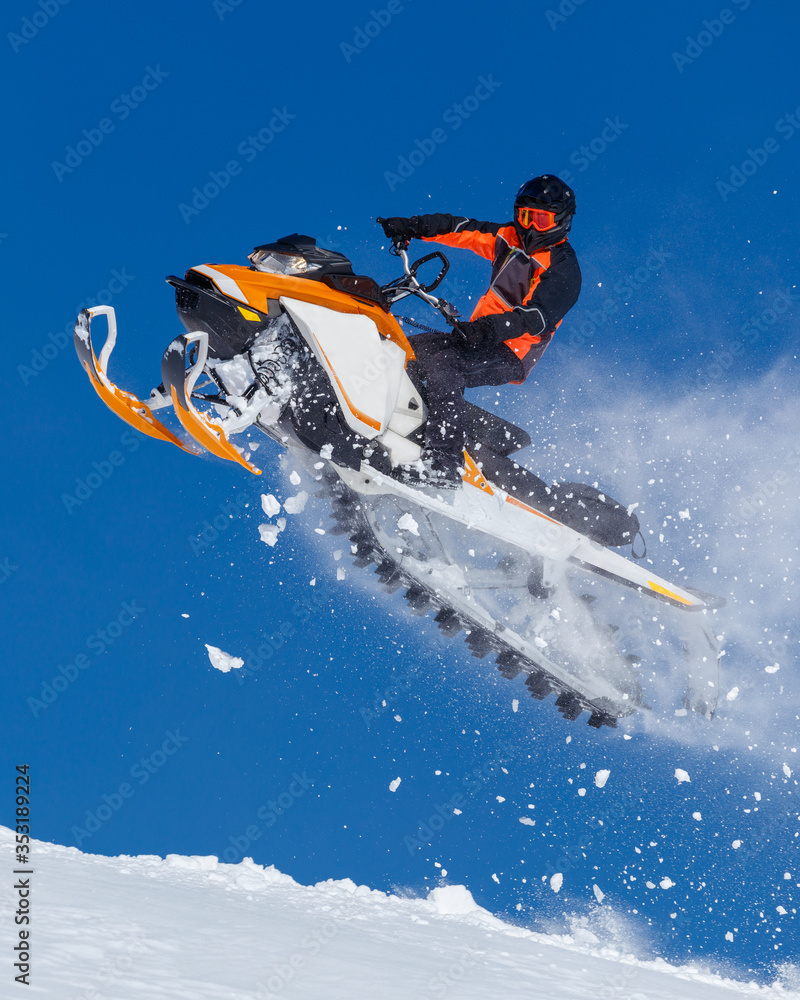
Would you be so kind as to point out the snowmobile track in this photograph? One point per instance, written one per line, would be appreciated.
(351, 522)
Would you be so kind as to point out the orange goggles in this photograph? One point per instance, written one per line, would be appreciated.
(539, 218)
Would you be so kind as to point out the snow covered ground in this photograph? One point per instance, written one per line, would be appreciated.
(193, 929)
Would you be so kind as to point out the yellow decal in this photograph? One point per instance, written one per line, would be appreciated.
(668, 593)
(249, 314)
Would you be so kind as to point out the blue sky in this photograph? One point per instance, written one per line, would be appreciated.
(674, 121)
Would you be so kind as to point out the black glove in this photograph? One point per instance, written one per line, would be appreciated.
(398, 227)
(478, 333)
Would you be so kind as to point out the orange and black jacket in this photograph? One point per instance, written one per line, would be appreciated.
(528, 295)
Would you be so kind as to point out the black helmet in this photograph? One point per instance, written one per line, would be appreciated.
(549, 194)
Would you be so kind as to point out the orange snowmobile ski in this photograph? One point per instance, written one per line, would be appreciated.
(179, 382)
(127, 406)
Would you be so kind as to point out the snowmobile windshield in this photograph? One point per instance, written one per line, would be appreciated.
(280, 263)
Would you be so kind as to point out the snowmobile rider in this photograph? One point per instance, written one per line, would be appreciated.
(535, 281)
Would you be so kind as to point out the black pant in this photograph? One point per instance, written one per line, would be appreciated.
(449, 367)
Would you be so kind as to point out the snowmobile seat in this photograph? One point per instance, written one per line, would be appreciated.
(360, 286)
(492, 431)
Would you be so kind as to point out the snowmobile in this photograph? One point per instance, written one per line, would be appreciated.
(299, 347)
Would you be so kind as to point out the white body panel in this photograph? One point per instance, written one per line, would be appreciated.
(367, 373)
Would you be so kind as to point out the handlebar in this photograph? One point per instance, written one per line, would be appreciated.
(410, 284)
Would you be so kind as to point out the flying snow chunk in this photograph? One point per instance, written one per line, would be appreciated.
(736, 845)
(698, 816)
(455, 899)
(407, 523)
(684, 514)
(394, 785)
(601, 778)
(599, 895)
(526, 821)
(556, 882)
(340, 573)
(787, 770)
(295, 505)
(515, 705)
(270, 505)
(223, 661)
(728, 936)
(773, 669)
(666, 883)
(294, 478)
(733, 694)
(681, 775)
(269, 533)
(184, 615)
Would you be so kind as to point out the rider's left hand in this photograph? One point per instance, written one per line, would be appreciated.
(397, 228)
(477, 333)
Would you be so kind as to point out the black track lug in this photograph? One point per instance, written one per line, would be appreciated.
(569, 705)
(599, 719)
(419, 599)
(538, 685)
(480, 642)
(510, 664)
(448, 621)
